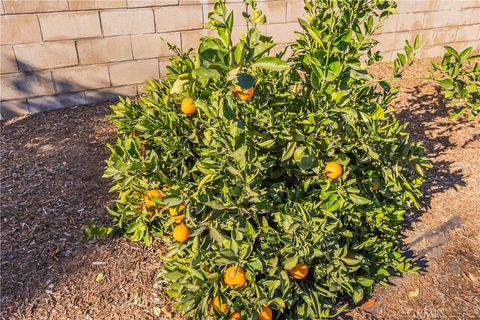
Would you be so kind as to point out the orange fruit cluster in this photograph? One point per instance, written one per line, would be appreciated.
(216, 304)
(150, 195)
(177, 213)
(298, 272)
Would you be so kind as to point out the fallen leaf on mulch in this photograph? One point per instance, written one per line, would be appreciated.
(369, 304)
(414, 293)
(100, 277)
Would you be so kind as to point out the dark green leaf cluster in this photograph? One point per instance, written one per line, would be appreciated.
(458, 74)
(251, 172)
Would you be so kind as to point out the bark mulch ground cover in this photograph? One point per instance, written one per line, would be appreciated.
(51, 188)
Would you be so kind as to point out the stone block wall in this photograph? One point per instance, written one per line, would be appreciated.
(64, 53)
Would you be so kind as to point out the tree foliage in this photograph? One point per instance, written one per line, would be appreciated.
(458, 74)
(250, 172)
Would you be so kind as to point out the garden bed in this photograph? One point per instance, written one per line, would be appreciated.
(51, 171)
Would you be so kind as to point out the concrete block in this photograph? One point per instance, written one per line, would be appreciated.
(162, 65)
(150, 3)
(445, 35)
(123, 22)
(283, 32)
(389, 25)
(175, 18)
(36, 6)
(96, 4)
(109, 94)
(467, 33)
(13, 108)
(80, 78)
(439, 19)
(275, 11)
(393, 41)
(429, 52)
(428, 36)
(111, 49)
(46, 55)
(19, 29)
(58, 101)
(8, 62)
(23, 85)
(70, 25)
(133, 72)
(449, 5)
(295, 10)
(191, 39)
(406, 6)
(410, 21)
(154, 45)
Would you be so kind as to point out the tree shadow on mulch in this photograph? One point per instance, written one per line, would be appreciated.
(427, 113)
(52, 164)
(424, 108)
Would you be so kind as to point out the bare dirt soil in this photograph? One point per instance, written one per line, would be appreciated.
(51, 188)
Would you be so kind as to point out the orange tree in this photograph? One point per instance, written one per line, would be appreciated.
(281, 185)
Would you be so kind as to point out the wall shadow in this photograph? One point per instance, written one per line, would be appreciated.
(72, 93)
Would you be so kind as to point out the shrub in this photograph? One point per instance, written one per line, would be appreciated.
(458, 74)
(282, 185)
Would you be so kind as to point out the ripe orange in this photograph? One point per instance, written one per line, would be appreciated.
(216, 303)
(375, 187)
(174, 213)
(235, 277)
(187, 106)
(334, 170)
(266, 313)
(150, 195)
(243, 94)
(235, 316)
(181, 233)
(298, 272)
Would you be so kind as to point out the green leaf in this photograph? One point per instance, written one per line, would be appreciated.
(207, 74)
(288, 151)
(366, 282)
(261, 48)
(452, 51)
(457, 113)
(335, 68)
(290, 263)
(359, 199)
(464, 54)
(307, 163)
(416, 43)
(100, 277)
(357, 295)
(178, 86)
(271, 63)
(446, 84)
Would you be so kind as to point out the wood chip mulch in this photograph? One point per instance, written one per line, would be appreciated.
(51, 188)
